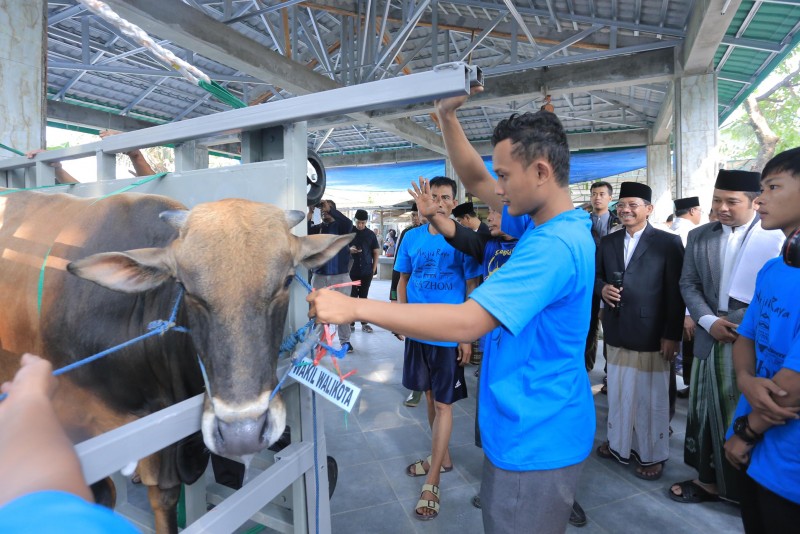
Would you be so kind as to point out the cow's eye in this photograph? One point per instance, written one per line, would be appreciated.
(288, 281)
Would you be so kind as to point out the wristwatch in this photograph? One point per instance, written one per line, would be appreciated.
(741, 427)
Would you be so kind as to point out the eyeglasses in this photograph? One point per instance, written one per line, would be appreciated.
(633, 206)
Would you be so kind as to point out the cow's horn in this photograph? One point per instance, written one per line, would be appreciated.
(175, 218)
(293, 217)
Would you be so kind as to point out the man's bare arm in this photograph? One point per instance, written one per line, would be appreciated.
(467, 163)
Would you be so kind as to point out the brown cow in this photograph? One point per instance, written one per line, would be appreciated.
(236, 260)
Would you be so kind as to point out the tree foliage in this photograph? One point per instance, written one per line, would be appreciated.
(770, 121)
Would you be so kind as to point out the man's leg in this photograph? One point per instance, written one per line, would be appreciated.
(343, 329)
(527, 501)
(366, 281)
(590, 351)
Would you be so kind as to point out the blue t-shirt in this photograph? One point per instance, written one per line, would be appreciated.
(496, 254)
(773, 322)
(59, 511)
(438, 271)
(536, 407)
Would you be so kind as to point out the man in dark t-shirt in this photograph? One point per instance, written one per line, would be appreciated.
(364, 250)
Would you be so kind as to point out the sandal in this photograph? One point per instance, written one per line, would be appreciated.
(649, 475)
(401, 337)
(604, 452)
(691, 493)
(417, 469)
(366, 328)
(427, 503)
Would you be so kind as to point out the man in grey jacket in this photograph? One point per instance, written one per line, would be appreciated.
(717, 283)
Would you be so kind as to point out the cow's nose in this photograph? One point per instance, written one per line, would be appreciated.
(243, 436)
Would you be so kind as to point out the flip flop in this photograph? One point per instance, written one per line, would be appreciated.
(649, 476)
(417, 470)
(691, 493)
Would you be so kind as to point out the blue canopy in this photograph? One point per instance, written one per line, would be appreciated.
(584, 167)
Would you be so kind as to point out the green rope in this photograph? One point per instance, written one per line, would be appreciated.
(132, 186)
(222, 94)
(41, 283)
(14, 150)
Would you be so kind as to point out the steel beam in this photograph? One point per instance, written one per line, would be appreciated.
(191, 29)
(447, 80)
(705, 30)
(656, 67)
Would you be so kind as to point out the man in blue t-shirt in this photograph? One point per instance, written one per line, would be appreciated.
(432, 271)
(766, 430)
(536, 411)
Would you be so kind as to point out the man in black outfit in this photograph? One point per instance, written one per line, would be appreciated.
(465, 216)
(364, 250)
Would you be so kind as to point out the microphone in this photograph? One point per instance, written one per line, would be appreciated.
(616, 281)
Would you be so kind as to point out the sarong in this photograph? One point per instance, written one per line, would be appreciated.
(713, 396)
(638, 406)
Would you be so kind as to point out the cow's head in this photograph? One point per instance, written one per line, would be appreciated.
(236, 260)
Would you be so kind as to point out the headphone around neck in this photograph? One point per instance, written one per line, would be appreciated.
(791, 249)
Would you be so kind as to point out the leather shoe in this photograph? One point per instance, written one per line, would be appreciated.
(683, 393)
(578, 517)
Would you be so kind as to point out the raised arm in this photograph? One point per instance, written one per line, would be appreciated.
(466, 161)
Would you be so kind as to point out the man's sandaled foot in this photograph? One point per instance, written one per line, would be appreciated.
(650, 472)
(603, 451)
(428, 504)
(688, 492)
(420, 468)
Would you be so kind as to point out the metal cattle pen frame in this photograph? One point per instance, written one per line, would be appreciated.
(273, 169)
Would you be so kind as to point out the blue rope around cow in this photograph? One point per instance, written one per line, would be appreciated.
(155, 328)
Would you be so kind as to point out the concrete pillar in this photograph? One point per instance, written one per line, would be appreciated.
(23, 38)
(696, 136)
(659, 178)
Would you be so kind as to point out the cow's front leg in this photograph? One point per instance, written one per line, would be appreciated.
(163, 499)
(164, 503)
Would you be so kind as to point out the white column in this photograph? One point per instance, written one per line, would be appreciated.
(696, 136)
(22, 75)
(659, 178)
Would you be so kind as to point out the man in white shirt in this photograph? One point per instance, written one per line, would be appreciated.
(720, 259)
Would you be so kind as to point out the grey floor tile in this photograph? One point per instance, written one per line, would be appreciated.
(349, 449)
(639, 514)
(399, 441)
(389, 518)
(361, 486)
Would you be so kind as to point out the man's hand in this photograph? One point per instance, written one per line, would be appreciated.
(34, 378)
(759, 392)
(688, 328)
(611, 295)
(724, 331)
(374, 271)
(354, 250)
(310, 214)
(422, 196)
(669, 349)
(737, 451)
(464, 353)
(32, 154)
(331, 307)
(451, 104)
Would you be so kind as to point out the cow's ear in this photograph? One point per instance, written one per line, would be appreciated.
(315, 250)
(133, 271)
(175, 218)
(293, 217)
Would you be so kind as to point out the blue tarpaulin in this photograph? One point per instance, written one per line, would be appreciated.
(584, 167)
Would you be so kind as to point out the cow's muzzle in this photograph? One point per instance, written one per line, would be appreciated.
(231, 434)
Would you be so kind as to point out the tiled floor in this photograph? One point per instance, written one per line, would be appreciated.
(374, 444)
